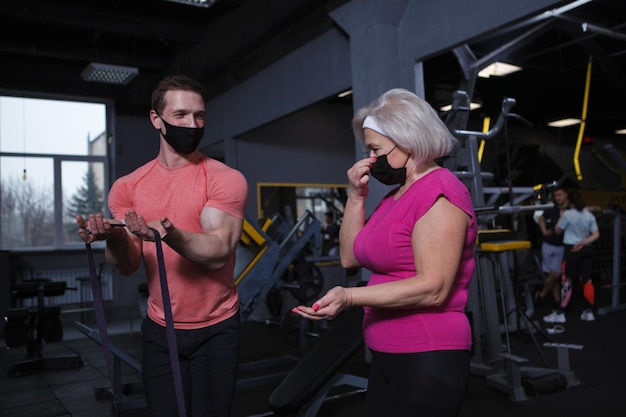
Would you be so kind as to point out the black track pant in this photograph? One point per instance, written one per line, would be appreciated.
(417, 384)
(209, 360)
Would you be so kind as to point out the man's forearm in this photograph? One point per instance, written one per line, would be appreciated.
(122, 253)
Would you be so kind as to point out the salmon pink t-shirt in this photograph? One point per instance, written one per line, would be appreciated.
(199, 296)
(384, 247)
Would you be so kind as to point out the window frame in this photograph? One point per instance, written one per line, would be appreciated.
(57, 160)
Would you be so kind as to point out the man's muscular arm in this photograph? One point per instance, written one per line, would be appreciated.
(213, 247)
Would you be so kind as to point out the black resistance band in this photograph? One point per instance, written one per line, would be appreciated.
(100, 319)
(169, 321)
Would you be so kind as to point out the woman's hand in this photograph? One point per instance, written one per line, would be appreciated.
(328, 307)
(358, 177)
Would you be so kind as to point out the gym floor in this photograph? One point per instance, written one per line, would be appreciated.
(600, 366)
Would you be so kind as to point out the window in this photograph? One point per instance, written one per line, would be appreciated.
(53, 165)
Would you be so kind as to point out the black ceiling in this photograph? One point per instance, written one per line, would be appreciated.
(554, 53)
(45, 45)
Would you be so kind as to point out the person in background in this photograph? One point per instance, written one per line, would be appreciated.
(552, 247)
(331, 229)
(580, 229)
(419, 246)
(197, 205)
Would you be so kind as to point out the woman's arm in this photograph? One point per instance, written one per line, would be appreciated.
(354, 211)
(353, 221)
(593, 236)
(438, 240)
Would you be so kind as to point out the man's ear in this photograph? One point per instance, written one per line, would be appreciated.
(155, 119)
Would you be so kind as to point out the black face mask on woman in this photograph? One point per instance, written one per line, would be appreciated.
(385, 173)
(182, 139)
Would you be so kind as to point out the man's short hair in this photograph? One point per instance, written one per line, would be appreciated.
(174, 82)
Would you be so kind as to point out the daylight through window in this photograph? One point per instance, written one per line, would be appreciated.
(53, 165)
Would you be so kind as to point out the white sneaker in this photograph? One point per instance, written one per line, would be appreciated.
(554, 318)
(587, 316)
(555, 330)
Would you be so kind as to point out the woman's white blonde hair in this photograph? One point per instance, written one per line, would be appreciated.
(410, 122)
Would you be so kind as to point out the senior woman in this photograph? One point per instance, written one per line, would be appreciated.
(418, 244)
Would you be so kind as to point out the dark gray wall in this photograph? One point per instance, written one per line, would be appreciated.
(307, 76)
(313, 145)
(136, 142)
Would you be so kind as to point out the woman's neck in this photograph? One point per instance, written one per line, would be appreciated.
(414, 173)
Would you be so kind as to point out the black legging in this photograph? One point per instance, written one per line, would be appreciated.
(579, 265)
(208, 360)
(417, 384)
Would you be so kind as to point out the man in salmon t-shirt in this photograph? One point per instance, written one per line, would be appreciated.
(197, 204)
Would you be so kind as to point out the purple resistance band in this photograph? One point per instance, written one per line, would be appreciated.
(169, 322)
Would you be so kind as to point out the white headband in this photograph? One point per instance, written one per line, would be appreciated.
(371, 123)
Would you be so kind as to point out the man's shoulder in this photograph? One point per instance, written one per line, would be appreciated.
(217, 168)
(137, 172)
(214, 164)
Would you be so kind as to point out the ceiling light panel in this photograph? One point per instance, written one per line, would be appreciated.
(198, 3)
(473, 106)
(570, 121)
(109, 74)
(498, 69)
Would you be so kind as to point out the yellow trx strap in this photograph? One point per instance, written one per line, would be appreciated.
(481, 148)
(581, 131)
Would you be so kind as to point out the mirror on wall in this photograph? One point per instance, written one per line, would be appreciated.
(291, 201)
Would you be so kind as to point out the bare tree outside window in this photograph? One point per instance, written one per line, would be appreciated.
(27, 214)
(53, 165)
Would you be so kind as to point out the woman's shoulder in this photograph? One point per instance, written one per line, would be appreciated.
(444, 182)
(437, 183)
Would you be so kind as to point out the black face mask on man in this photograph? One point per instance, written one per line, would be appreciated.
(385, 173)
(183, 140)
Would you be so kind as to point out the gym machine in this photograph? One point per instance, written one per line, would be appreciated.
(618, 260)
(31, 327)
(265, 256)
(307, 386)
(502, 369)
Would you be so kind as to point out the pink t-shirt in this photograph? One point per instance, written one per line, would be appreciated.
(200, 297)
(384, 247)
